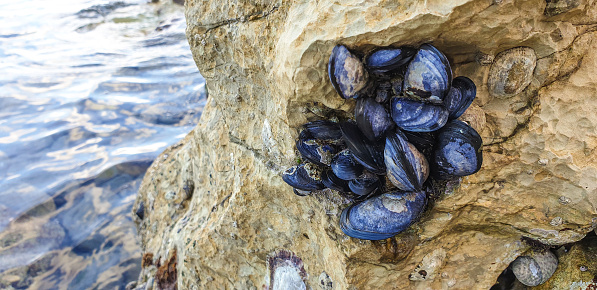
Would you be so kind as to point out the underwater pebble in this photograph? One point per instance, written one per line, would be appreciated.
(511, 72)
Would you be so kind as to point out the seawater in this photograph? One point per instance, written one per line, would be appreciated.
(90, 93)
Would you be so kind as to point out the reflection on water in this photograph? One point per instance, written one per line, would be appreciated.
(91, 92)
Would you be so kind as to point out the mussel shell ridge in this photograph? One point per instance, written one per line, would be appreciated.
(383, 216)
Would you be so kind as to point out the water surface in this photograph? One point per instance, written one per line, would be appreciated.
(90, 93)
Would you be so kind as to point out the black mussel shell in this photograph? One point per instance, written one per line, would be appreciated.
(388, 61)
(428, 75)
(415, 116)
(306, 177)
(365, 184)
(331, 181)
(383, 216)
(460, 96)
(345, 166)
(407, 168)
(324, 130)
(315, 151)
(372, 118)
(347, 73)
(424, 141)
(364, 151)
(458, 151)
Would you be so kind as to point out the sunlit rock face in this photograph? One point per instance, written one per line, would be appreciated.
(265, 66)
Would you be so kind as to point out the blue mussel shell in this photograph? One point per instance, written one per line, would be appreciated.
(407, 168)
(364, 151)
(345, 166)
(415, 116)
(458, 151)
(365, 184)
(383, 216)
(387, 61)
(305, 177)
(460, 96)
(314, 150)
(324, 130)
(428, 75)
(372, 118)
(347, 73)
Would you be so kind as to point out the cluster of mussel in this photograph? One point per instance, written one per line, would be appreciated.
(405, 130)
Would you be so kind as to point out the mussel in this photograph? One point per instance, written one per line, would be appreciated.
(304, 177)
(388, 61)
(365, 184)
(324, 130)
(383, 216)
(345, 166)
(457, 152)
(372, 118)
(347, 73)
(331, 181)
(314, 150)
(428, 76)
(460, 97)
(415, 116)
(364, 151)
(407, 168)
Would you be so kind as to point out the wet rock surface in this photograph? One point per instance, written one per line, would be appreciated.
(266, 69)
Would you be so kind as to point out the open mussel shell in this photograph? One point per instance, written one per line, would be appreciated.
(324, 130)
(460, 97)
(415, 116)
(305, 177)
(388, 61)
(383, 216)
(372, 118)
(365, 184)
(428, 76)
(407, 168)
(315, 151)
(347, 73)
(331, 181)
(364, 151)
(345, 166)
(458, 151)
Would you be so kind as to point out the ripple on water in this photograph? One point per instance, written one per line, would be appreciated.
(91, 93)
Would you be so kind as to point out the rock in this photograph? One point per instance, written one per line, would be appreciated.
(265, 66)
(577, 268)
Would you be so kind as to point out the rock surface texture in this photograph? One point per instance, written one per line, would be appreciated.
(216, 199)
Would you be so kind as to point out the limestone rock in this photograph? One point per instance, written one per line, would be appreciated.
(265, 66)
